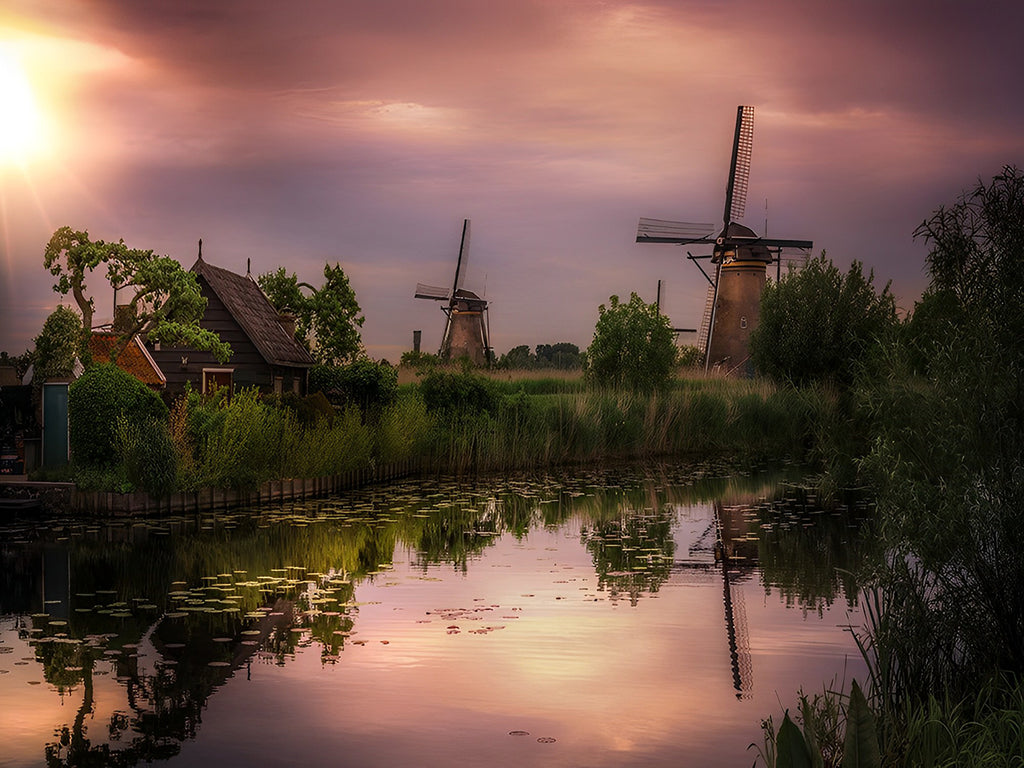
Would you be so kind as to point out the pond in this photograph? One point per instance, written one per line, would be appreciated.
(640, 616)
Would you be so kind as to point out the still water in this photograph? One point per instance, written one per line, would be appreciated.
(640, 616)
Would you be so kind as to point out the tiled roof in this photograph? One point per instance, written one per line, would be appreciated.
(133, 359)
(255, 314)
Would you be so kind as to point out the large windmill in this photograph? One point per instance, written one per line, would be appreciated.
(740, 256)
(466, 323)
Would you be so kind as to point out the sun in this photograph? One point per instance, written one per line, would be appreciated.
(21, 123)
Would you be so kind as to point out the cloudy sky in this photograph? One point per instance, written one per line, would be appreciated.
(364, 132)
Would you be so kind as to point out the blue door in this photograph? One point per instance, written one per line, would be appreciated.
(55, 424)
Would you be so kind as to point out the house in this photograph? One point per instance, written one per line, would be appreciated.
(134, 358)
(264, 351)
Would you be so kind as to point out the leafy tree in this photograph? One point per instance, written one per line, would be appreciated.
(327, 320)
(819, 324)
(633, 346)
(563, 355)
(165, 300)
(518, 358)
(364, 383)
(57, 345)
(948, 423)
(20, 363)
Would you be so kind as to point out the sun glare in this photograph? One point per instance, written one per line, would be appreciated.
(21, 124)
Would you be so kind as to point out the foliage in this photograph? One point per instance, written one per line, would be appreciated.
(364, 383)
(816, 745)
(165, 301)
(818, 325)
(20, 363)
(419, 360)
(458, 392)
(307, 410)
(327, 320)
(633, 346)
(242, 442)
(690, 356)
(561, 356)
(948, 445)
(148, 455)
(96, 401)
(57, 345)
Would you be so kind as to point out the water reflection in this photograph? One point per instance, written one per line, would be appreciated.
(139, 624)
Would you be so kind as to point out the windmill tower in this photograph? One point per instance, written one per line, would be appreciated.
(740, 257)
(467, 321)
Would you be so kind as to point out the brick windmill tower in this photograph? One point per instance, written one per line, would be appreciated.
(740, 257)
(467, 322)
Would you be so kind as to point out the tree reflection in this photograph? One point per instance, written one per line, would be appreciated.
(176, 607)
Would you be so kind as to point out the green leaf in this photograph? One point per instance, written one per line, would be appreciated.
(860, 750)
(790, 747)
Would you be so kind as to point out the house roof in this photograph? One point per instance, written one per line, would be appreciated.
(134, 358)
(255, 314)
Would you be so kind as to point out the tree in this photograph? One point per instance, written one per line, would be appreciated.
(164, 299)
(948, 445)
(518, 358)
(57, 345)
(633, 346)
(562, 355)
(327, 320)
(818, 324)
(20, 363)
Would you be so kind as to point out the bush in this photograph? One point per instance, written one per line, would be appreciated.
(459, 392)
(101, 396)
(308, 410)
(148, 455)
(818, 325)
(633, 346)
(367, 384)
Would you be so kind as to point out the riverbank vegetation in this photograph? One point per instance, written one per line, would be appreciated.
(938, 407)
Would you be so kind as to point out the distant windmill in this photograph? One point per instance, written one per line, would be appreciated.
(466, 324)
(741, 259)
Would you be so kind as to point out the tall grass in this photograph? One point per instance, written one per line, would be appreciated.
(751, 420)
(241, 442)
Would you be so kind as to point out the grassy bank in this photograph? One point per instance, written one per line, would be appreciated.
(502, 425)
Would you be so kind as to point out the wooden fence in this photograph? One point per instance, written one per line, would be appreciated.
(207, 499)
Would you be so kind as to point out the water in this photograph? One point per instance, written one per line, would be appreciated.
(586, 620)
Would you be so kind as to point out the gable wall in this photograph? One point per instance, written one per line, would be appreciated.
(250, 369)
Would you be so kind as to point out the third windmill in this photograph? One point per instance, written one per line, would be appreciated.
(740, 257)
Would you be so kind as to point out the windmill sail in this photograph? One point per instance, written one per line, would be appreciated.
(463, 263)
(663, 231)
(739, 166)
(424, 291)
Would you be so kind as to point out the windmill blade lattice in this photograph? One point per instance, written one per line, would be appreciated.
(739, 167)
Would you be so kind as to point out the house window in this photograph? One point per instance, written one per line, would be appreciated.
(295, 384)
(215, 378)
(278, 385)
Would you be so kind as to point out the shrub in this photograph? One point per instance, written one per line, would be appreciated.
(308, 410)
(367, 384)
(101, 396)
(148, 455)
(819, 324)
(459, 392)
(633, 346)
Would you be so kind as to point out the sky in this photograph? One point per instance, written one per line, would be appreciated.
(294, 134)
